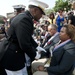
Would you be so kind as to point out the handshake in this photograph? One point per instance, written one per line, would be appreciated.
(38, 54)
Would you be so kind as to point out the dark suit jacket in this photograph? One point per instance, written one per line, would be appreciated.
(46, 39)
(21, 30)
(62, 62)
(52, 43)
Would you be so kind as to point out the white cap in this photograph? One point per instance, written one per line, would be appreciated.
(18, 6)
(39, 4)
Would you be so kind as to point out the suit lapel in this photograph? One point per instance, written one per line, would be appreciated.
(52, 39)
(61, 45)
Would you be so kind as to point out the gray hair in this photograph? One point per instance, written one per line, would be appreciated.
(53, 26)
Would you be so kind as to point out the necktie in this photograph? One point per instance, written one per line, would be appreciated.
(49, 42)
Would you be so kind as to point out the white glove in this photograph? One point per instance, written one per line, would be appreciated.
(40, 49)
(42, 37)
(38, 55)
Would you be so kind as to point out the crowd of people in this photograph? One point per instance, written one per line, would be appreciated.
(36, 36)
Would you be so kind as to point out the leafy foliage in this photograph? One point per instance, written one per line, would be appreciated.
(61, 4)
(48, 11)
(1, 22)
(1, 19)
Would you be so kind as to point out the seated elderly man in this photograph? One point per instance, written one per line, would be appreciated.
(52, 29)
(49, 45)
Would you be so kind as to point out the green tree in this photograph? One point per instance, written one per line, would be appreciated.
(1, 22)
(48, 11)
(1, 19)
(61, 4)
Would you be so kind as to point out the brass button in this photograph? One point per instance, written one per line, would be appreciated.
(16, 51)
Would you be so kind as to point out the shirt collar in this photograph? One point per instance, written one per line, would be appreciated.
(61, 44)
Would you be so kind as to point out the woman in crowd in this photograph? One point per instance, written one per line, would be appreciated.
(60, 19)
(63, 59)
(51, 18)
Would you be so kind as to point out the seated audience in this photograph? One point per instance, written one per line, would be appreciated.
(49, 45)
(63, 55)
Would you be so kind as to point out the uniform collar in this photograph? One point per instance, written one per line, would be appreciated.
(29, 14)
